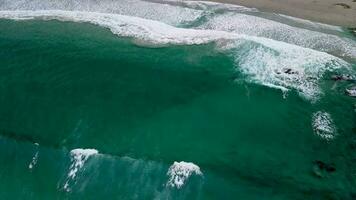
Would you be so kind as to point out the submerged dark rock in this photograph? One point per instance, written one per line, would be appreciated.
(344, 5)
(321, 168)
(324, 166)
(287, 71)
(351, 91)
(353, 31)
(342, 77)
(352, 146)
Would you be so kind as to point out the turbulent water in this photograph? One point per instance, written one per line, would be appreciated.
(139, 99)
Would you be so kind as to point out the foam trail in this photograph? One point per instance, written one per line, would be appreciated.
(34, 159)
(78, 158)
(323, 125)
(179, 173)
(261, 58)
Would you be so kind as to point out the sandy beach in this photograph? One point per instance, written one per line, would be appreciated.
(335, 12)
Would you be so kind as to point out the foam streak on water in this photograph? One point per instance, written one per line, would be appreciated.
(34, 159)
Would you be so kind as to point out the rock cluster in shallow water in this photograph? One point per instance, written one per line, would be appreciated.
(351, 91)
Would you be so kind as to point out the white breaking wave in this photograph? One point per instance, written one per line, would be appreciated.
(226, 17)
(323, 125)
(264, 60)
(180, 172)
(78, 159)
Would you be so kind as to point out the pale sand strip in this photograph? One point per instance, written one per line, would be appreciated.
(325, 11)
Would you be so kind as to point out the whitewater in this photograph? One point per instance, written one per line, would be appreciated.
(172, 99)
(262, 48)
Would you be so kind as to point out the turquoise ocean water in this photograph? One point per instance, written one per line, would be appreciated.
(173, 100)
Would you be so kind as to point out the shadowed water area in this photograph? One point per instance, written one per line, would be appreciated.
(143, 106)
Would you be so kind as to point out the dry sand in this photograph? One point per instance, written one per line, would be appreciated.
(335, 12)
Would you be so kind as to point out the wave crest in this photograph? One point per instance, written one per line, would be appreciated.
(179, 172)
(323, 125)
(78, 158)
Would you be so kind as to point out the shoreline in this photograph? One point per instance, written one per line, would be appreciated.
(333, 12)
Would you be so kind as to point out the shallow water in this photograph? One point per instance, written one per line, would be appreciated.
(70, 89)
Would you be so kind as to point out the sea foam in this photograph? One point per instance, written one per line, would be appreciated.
(260, 58)
(179, 173)
(323, 125)
(78, 159)
(262, 48)
(218, 16)
(256, 26)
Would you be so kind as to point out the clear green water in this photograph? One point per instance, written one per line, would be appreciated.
(69, 85)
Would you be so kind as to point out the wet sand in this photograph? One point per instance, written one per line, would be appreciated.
(335, 12)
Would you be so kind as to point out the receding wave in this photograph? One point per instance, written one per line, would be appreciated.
(217, 16)
(163, 12)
